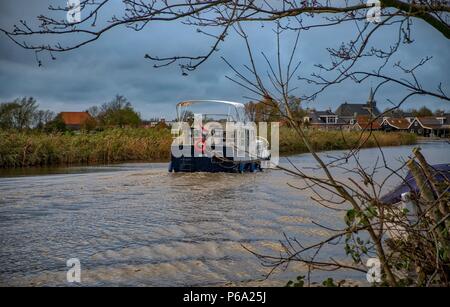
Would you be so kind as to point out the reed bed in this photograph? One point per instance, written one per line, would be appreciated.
(25, 149)
(290, 143)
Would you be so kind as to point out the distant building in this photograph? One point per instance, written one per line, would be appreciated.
(364, 122)
(395, 124)
(367, 116)
(430, 126)
(157, 122)
(323, 119)
(75, 120)
(444, 119)
(170, 123)
(348, 112)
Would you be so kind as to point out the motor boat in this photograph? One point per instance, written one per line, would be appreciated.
(216, 136)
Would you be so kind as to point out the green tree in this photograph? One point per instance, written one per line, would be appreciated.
(42, 118)
(423, 111)
(119, 112)
(90, 124)
(7, 110)
(55, 125)
(94, 111)
(295, 107)
(24, 114)
(19, 114)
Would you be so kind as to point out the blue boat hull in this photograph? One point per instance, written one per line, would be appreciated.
(212, 165)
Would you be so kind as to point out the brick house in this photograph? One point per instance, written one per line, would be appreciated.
(75, 120)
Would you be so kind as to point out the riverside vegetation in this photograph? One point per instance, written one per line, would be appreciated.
(32, 137)
(37, 148)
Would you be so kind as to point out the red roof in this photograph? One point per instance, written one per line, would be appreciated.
(399, 123)
(367, 123)
(74, 118)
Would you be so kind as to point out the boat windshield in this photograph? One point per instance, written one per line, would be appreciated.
(211, 110)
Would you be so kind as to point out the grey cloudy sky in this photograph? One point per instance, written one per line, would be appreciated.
(115, 64)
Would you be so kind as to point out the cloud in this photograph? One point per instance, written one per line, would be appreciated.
(115, 64)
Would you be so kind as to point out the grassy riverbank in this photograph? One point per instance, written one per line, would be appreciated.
(339, 140)
(24, 149)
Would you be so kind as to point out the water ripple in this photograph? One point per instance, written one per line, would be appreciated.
(137, 225)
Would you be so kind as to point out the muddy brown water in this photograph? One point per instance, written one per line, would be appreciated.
(138, 225)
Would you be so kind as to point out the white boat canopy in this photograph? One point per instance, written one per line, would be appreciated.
(239, 107)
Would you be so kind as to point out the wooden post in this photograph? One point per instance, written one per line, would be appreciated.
(421, 181)
(428, 196)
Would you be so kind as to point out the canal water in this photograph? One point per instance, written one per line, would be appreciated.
(138, 225)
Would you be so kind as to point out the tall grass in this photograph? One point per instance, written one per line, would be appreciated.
(290, 142)
(23, 149)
